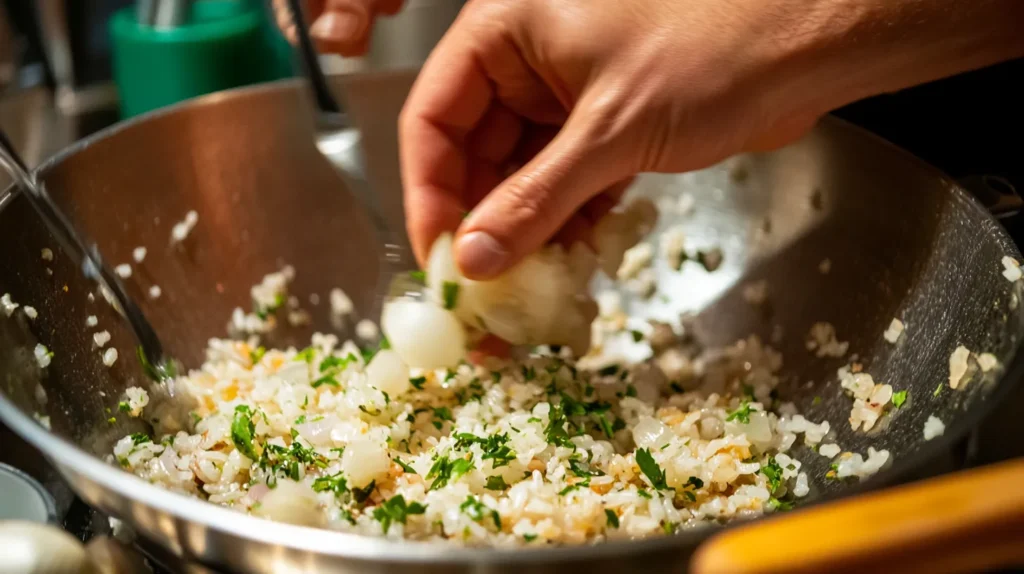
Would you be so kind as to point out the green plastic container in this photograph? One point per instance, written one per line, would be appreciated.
(225, 44)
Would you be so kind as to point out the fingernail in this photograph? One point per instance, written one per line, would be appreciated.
(479, 255)
(337, 26)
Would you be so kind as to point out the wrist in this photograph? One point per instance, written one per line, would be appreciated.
(834, 52)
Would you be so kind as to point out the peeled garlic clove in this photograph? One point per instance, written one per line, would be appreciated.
(364, 461)
(424, 335)
(291, 502)
(388, 373)
(542, 300)
(441, 268)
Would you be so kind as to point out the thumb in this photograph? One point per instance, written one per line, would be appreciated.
(523, 213)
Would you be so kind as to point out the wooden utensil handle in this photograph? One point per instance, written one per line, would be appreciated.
(968, 521)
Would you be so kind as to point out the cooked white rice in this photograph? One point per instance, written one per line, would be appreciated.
(109, 357)
(367, 330)
(673, 246)
(7, 305)
(341, 304)
(634, 260)
(823, 341)
(520, 451)
(987, 362)
(1011, 269)
(101, 339)
(958, 366)
(43, 356)
(182, 229)
(894, 331)
(869, 398)
(933, 427)
(135, 399)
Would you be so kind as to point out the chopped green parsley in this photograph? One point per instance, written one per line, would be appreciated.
(335, 483)
(898, 398)
(395, 509)
(773, 472)
(741, 414)
(478, 511)
(612, 519)
(243, 431)
(445, 470)
(306, 355)
(441, 414)
(405, 466)
(650, 468)
(496, 482)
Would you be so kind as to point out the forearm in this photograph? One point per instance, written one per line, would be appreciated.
(846, 50)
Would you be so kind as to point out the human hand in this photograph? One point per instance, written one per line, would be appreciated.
(531, 114)
(582, 98)
(338, 26)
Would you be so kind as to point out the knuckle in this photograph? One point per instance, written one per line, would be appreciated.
(526, 199)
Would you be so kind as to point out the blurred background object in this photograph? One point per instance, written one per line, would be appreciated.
(166, 51)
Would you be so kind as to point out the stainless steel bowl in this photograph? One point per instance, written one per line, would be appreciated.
(903, 241)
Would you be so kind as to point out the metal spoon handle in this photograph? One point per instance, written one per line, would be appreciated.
(322, 95)
(341, 143)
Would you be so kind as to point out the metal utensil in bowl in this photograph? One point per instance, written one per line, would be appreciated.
(903, 240)
(90, 261)
(341, 143)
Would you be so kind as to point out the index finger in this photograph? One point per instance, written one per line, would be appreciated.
(448, 99)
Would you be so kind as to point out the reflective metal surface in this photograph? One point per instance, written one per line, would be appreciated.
(902, 240)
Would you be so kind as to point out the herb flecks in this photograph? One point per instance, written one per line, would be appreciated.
(478, 511)
(741, 414)
(651, 470)
(243, 431)
(773, 472)
(494, 447)
(396, 509)
(898, 398)
(611, 519)
(496, 482)
(335, 483)
(445, 470)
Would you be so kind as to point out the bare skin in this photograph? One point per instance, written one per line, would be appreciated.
(533, 114)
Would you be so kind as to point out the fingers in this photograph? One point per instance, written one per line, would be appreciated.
(343, 27)
(496, 136)
(338, 26)
(449, 99)
(529, 208)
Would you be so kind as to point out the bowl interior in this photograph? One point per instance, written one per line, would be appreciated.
(900, 239)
